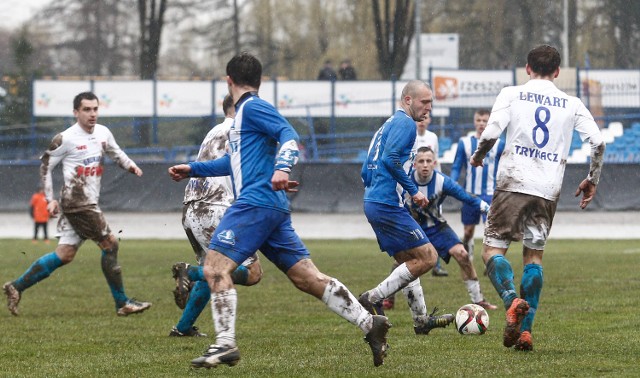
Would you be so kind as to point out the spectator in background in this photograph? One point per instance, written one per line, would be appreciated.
(327, 72)
(39, 214)
(346, 71)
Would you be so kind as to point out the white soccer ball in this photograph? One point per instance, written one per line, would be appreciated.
(472, 319)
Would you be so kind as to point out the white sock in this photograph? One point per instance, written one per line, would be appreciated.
(473, 288)
(340, 300)
(399, 278)
(415, 297)
(223, 308)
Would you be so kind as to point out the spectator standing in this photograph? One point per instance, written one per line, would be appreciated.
(346, 71)
(327, 72)
(39, 214)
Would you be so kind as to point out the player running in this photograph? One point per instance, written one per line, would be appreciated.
(539, 120)
(81, 149)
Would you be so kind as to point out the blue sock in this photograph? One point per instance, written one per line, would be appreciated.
(38, 271)
(501, 276)
(195, 273)
(530, 289)
(198, 298)
(240, 275)
(113, 274)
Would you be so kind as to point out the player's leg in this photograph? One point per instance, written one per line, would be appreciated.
(113, 274)
(438, 270)
(38, 271)
(530, 289)
(536, 231)
(469, 276)
(470, 217)
(390, 301)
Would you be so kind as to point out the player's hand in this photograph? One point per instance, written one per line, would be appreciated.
(179, 172)
(420, 199)
(588, 190)
(53, 208)
(484, 207)
(280, 180)
(135, 170)
(475, 163)
(292, 186)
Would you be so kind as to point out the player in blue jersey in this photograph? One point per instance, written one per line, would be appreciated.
(479, 181)
(436, 186)
(205, 201)
(263, 150)
(398, 234)
(539, 120)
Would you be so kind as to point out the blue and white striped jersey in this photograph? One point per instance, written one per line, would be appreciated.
(253, 157)
(382, 173)
(436, 190)
(478, 180)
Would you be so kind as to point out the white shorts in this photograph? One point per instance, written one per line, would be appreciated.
(76, 227)
(200, 221)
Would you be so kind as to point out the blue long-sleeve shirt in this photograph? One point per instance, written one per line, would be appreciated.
(257, 130)
(382, 173)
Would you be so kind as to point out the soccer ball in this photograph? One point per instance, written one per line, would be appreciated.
(472, 319)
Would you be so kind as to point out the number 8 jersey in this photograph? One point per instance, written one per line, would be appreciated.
(539, 119)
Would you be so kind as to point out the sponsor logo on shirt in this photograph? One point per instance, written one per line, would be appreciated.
(535, 153)
(227, 237)
(89, 171)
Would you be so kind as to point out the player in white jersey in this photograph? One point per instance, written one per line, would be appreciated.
(80, 149)
(479, 181)
(539, 120)
(205, 201)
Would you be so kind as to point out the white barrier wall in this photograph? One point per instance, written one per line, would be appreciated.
(452, 89)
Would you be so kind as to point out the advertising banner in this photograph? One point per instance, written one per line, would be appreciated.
(125, 98)
(611, 88)
(184, 99)
(55, 98)
(469, 88)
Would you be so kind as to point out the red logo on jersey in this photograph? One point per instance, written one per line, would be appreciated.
(83, 147)
(89, 171)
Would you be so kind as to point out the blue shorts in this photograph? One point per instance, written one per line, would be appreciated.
(394, 227)
(245, 229)
(443, 239)
(471, 214)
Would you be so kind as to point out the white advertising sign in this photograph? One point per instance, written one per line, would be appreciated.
(184, 98)
(55, 98)
(125, 98)
(436, 51)
(617, 89)
(468, 89)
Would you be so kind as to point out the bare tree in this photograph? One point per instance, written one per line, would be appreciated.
(394, 31)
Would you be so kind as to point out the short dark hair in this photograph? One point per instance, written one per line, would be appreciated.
(425, 149)
(227, 104)
(544, 60)
(245, 69)
(77, 101)
(483, 112)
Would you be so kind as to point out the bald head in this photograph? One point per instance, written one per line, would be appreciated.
(417, 99)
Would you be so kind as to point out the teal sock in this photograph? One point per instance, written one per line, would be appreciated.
(38, 271)
(198, 298)
(113, 274)
(240, 275)
(195, 273)
(530, 289)
(501, 276)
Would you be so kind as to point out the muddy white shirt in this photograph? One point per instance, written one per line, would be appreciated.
(540, 120)
(82, 157)
(212, 190)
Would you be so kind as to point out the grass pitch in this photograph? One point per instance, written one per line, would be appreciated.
(586, 323)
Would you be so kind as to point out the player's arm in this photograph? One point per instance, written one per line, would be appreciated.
(488, 139)
(456, 191)
(211, 168)
(398, 137)
(459, 161)
(116, 154)
(498, 121)
(286, 159)
(587, 127)
(50, 159)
